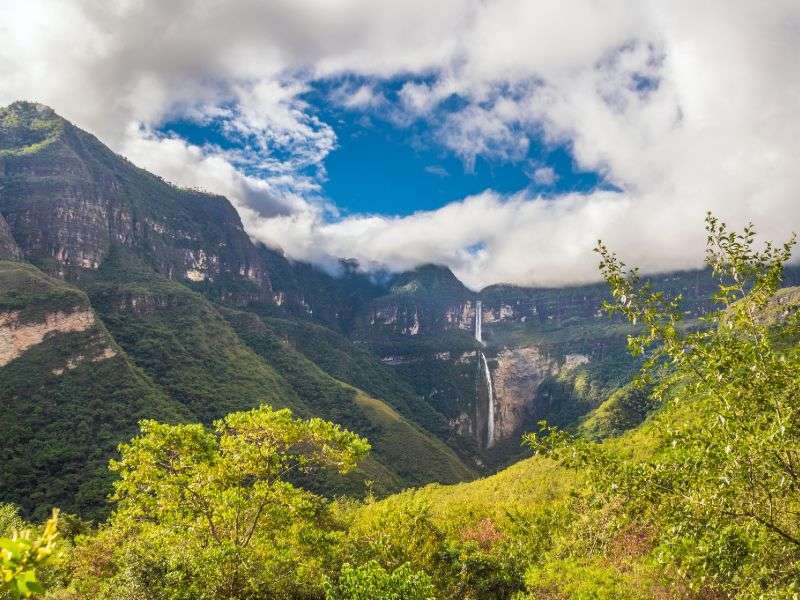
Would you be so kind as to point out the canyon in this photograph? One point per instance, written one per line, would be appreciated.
(124, 297)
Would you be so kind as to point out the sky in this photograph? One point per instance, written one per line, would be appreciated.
(501, 138)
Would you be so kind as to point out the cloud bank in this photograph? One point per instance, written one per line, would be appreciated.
(682, 106)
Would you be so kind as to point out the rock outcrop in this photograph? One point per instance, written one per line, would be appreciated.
(517, 377)
(16, 336)
(67, 200)
(8, 247)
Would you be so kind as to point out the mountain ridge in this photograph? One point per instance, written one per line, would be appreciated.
(207, 321)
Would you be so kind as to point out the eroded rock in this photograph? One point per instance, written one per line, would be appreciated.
(16, 337)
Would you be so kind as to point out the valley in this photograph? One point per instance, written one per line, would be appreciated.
(106, 264)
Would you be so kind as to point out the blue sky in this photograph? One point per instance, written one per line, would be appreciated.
(402, 133)
(382, 166)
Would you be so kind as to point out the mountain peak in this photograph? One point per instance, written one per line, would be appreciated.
(27, 127)
(428, 278)
(28, 107)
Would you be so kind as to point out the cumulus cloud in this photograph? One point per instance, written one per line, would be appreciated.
(682, 106)
(544, 176)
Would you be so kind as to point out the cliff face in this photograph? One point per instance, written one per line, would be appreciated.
(67, 199)
(8, 247)
(517, 379)
(16, 336)
(427, 301)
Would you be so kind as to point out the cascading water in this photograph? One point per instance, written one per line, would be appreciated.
(478, 322)
(487, 374)
(490, 412)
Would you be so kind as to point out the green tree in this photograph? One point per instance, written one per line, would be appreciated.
(22, 554)
(371, 581)
(211, 513)
(722, 487)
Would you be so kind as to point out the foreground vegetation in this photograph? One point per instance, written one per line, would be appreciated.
(701, 500)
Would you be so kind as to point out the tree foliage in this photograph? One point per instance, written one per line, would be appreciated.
(212, 513)
(22, 554)
(721, 490)
(371, 581)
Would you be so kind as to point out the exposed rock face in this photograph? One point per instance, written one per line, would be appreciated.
(8, 247)
(517, 377)
(76, 360)
(16, 337)
(67, 199)
(461, 316)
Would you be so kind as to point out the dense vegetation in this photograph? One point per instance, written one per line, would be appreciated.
(700, 499)
(157, 349)
(63, 411)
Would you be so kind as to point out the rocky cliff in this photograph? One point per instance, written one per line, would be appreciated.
(8, 247)
(67, 200)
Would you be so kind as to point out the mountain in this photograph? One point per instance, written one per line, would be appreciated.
(120, 302)
(124, 297)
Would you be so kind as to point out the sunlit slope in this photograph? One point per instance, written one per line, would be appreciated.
(414, 454)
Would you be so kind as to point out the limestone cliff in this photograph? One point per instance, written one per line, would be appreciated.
(17, 336)
(67, 200)
(517, 378)
(8, 247)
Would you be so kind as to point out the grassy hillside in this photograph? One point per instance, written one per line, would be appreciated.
(404, 447)
(66, 402)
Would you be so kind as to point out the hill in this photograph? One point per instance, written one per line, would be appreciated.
(152, 268)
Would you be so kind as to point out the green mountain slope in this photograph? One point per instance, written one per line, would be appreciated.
(404, 447)
(177, 337)
(68, 395)
(353, 364)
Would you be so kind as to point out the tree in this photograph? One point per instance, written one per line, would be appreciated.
(22, 554)
(722, 487)
(211, 513)
(371, 581)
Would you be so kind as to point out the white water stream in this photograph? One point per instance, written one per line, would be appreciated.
(490, 412)
(478, 322)
(487, 373)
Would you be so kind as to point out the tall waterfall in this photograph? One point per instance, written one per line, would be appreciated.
(478, 322)
(487, 374)
(490, 412)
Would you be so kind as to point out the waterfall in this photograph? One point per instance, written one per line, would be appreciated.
(478, 322)
(487, 374)
(490, 412)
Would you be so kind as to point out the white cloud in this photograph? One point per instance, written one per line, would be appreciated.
(544, 176)
(358, 96)
(684, 106)
(437, 170)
